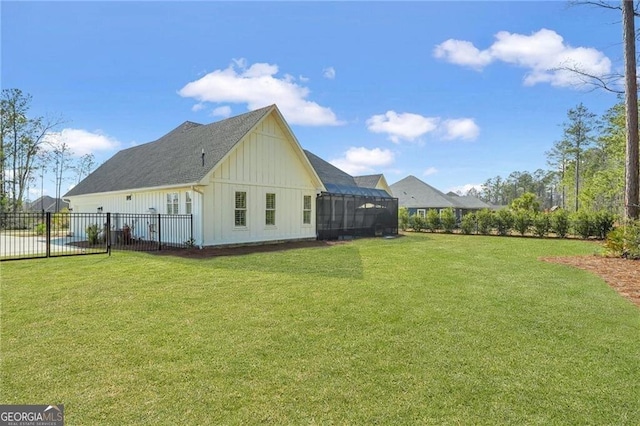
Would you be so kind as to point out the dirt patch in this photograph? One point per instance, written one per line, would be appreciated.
(623, 275)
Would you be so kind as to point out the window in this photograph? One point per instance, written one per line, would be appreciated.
(172, 203)
(422, 213)
(187, 202)
(241, 209)
(270, 214)
(128, 197)
(306, 210)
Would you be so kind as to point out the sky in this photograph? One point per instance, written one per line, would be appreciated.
(452, 92)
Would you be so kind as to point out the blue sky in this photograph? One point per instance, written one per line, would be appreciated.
(451, 92)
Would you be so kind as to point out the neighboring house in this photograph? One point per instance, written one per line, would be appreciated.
(244, 179)
(352, 206)
(418, 197)
(46, 203)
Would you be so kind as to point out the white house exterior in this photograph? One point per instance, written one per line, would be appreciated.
(244, 179)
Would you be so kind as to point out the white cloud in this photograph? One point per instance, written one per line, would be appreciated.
(430, 171)
(462, 52)
(82, 142)
(463, 189)
(460, 128)
(223, 111)
(257, 86)
(542, 53)
(403, 126)
(198, 107)
(329, 73)
(303, 78)
(410, 127)
(360, 160)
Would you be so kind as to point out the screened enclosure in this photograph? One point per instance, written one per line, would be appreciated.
(355, 212)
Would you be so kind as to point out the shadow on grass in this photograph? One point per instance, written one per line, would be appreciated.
(303, 257)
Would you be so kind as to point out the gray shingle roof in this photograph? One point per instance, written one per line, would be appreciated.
(338, 182)
(368, 181)
(328, 173)
(174, 159)
(412, 192)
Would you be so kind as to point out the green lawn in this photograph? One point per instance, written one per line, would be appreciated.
(423, 329)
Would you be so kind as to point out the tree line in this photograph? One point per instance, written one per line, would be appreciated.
(29, 153)
(587, 167)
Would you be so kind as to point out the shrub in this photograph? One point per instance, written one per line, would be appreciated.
(468, 223)
(403, 218)
(582, 223)
(503, 220)
(432, 221)
(522, 221)
(541, 224)
(560, 223)
(41, 228)
(417, 222)
(603, 223)
(448, 220)
(485, 221)
(92, 233)
(624, 241)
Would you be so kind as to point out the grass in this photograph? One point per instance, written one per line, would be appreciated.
(426, 329)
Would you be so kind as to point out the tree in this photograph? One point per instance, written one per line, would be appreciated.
(22, 140)
(577, 132)
(612, 83)
(84, 166)
(631, 194)
(60, 154)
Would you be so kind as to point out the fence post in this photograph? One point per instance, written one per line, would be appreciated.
(108, 235)
(48, 233)
(159, 232)
(191, 226)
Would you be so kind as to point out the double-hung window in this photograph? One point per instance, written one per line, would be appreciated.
(306, 210)
(172, 203)
(187, 202)
(270, 212)
(241, 208)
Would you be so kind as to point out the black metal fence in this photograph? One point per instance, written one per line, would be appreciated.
(339, 216)
(37, 235)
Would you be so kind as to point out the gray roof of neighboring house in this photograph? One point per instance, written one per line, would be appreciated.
(46, 203)
(412, 192)
(174, 159)
(368, 181)
(338, 182)
(471, 202)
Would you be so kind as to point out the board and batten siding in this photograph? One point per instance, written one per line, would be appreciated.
(140, 202)
(266, 161)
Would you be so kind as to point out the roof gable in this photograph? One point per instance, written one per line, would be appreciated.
(174, 159)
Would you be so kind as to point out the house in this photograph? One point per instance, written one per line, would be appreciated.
(244, 179)
(419, 197)
(47, 204)
(353, 206)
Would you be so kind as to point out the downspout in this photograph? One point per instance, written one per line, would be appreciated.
(195, 189)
